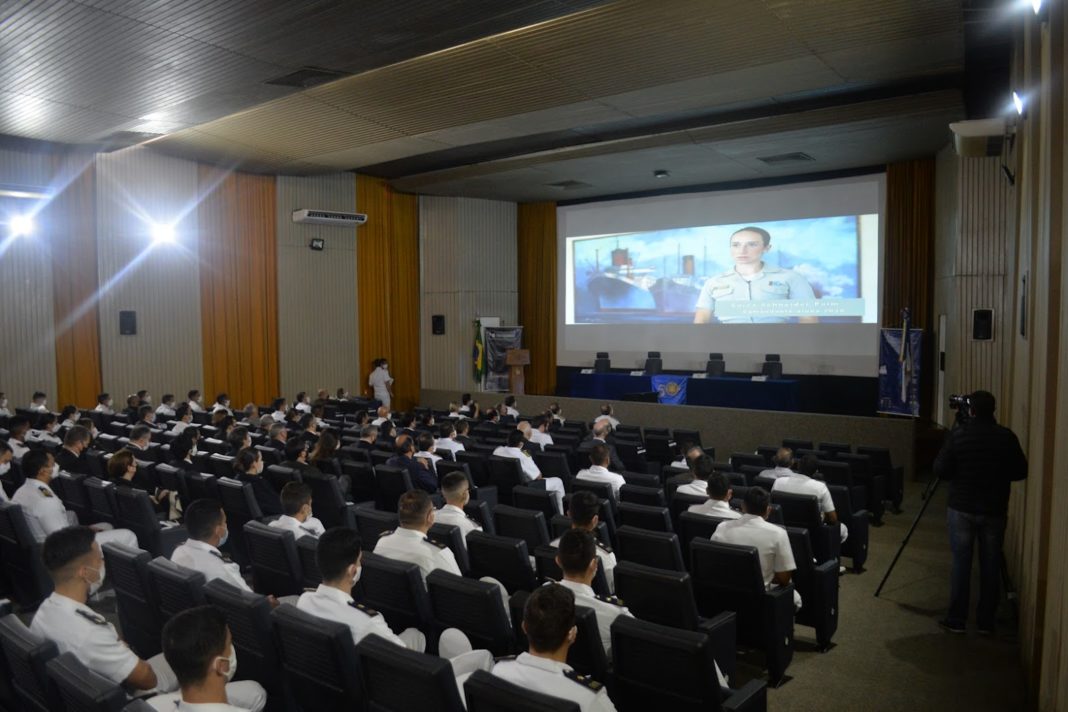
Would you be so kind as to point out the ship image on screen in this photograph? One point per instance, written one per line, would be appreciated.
(763, 272)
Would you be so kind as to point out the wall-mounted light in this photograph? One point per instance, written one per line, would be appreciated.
(318, 244)
(1036, 5)
(1018, 102)
(162, 233)
(21, 225)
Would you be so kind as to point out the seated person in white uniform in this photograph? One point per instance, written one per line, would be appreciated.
(193, 399)
(583, 508)
(783, 464)
(198, 646)
(76, 565)
(577, 558)
(701, 468)
(530, 469)
(598, 470)
(17, 429)
(549, 624)
(447, 439)
(509, 407)
(425, 449)
(6, 456)
(798, 483)
(719, 497)
(606, 416)
(103, 404)
(409, 542)
(771, 541)
(166, 407)
(47, 430)
(44, 509)
(297, 512)
(539, 434)
(37, 403)
(457, 493)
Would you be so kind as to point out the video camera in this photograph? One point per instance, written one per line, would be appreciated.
(962, 404)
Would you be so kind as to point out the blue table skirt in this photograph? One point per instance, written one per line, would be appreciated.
(722, 392)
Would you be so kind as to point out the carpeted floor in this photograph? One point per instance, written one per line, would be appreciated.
(889, 652)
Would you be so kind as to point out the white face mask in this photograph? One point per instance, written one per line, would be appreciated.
(5, 468)
(95, 585)
(3, 402)
(110, 403)
(147, 400)
(193, 451)
(232, 660)
(55, 470)
(356, 577)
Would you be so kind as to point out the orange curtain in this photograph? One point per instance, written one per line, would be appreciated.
(71, 218)
(536, 249)
(908, 274)
(238, 285)
(387, 286)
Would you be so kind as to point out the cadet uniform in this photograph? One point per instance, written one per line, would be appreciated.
(205, 558)
(797, 483)
(309, 527)
(335, 605)
(78, 629)
(777, 472)
(715, 508)
(165, 411)
(452, 515)
(531, 472)
(378, 381)
(596, 473)
(539, 438)
(555, 679)
(412, 546)
(607, 608)
(698, 488)
(771, 283)
(448, 444)
(45, 514)
(18, 448)
(772, 544)
(605, 559)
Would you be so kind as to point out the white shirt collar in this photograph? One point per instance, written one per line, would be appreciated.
(202, 545)
(598, 470)
(541, 663)
(454, 508)
(409, 533)
(335, 594)
(579, 588)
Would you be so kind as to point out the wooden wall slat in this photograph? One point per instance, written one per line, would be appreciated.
(536, 248)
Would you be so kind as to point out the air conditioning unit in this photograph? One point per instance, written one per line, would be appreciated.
(328, 217)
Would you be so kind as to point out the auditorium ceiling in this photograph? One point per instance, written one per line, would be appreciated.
(495, 98)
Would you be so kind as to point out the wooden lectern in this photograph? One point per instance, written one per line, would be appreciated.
(516, 360)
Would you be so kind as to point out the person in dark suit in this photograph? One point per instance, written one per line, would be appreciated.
(182, 450)
(309, 428)
(297, 456)
(248, 467)
(71, 457)
(124, 472)
(277, 435)
(140, 439)
(601, 431)
(463, 427)
(419, 469)
(407, 426)
(238, 440)
(368, 436)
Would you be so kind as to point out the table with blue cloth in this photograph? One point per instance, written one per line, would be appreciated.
(722, 391)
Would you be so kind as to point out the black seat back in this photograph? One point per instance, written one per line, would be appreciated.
(695, 526)
(396, 590)
(372, 524)
(309, 567)
(553, 464)
(657, 549)
(25, 656)
(682, 502)
(398, 680)
(249, 617)
(657, 595)
(476, 464)
(330, 506)
(280, 475)
(637, 494)
(522, 524)
(474, 607)
(796, 444)
(587, 655)
(657, 519)
(503, 558)
(319, 660)
(479, 510)
(546, 568)
(451, 536)
(486, 692)
(81, 689)
(174, 587)
(537, 499)
(20, 558)
(138, 611)
(799, 510)
(361, 473)
(239, 503)
(740, 459)
(276, 567)
(505, 473)
(135, 512)
(101, 500)
(392, 483)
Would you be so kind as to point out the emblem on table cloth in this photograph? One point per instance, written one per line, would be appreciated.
(670, 389)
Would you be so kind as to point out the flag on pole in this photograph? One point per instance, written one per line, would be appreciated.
(906, 357)
(478, 353)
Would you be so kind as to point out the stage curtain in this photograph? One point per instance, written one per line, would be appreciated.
(387, 286)
(908, 272)
(536, 250)
(71, 220)
(238, 285)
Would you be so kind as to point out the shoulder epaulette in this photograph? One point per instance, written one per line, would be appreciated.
(224, 559)
(604, 547)
(614, 600)
(45, 492)
(583, 680)
(438, 544)
(92, 617)
(364, 609)
(386, 533)
(504, 659)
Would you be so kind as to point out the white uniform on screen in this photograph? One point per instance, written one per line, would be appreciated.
(771, 283)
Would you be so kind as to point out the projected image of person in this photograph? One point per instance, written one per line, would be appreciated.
(753, 280)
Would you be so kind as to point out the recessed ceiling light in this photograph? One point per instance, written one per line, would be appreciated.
(162, 233)
(661, 173)
(1036, 5)
(21, 225)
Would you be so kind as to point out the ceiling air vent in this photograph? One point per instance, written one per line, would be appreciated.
(782, 158)
(569, 185)
(307, 77)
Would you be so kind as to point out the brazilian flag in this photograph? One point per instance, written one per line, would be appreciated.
(478, 353)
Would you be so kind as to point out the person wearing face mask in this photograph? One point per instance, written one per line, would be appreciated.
(4, 412)
(183, 449)
(193, 400)
(71, 457)
(248, 470)
(104, 404)
(222, 403)
(206, 522)
(37, 403)
(409, 542)
(198, 646)
(381, 383)
(45, 432)
(166, 407)
(6, 456)
(297, 516)
(123, 472)
(68, 417)
(44, 510)
(144, 398)
(18, 427)
(457, 492)
(184, 415)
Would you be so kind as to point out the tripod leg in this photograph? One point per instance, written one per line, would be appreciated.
(931, 490)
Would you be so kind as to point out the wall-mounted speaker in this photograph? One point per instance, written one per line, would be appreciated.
(982, 324)
(127, 323)
(437, 324)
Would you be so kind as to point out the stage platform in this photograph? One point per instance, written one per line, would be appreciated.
(722, 392)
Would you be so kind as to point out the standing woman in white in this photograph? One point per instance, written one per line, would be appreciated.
(380, 382)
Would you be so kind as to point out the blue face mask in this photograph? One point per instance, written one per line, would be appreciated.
(225, 536)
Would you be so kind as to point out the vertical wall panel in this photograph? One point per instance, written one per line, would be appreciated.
(468, 261)
(135, 188)
(239, 285)
(317, 334)
(537, 287)
(27, 356)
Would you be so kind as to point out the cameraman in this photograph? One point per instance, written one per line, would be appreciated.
(979, 459)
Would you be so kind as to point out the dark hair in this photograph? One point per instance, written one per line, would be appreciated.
(119, 463)
(412, 507)
(427, 419)
(182, 445)
(718, 485)
(462, 426)
(509, 401)
(18, 423)
(68, 410)
(337, 549)
(103, 398)
(4, 447)
(306, 421)
(756, 501)
(237, 437)
(576, 550)
(77, 434)
(37, 394)
(784, 457)
(983, 403)
(44, 420)
(201, 518)
(294, 447)
(540, 420)
(702, 467)
(325, 448)
(554, 408)
(221, 398)
(583, 507)
(764, 234)
(140, 431)
(548, 616)
(599, 455)
(143, 411)
(33, 462)
(246, 458)
(465, 398)
(403, 445)
(407, 420)
(425, 442)
(192, 639)
(182, 410)
(446, 429)
(294, 496)
(193, 394)
(516, 438)
(809, 465)
(278, 403)
(63, 546)
(166, 398)
(606, 409)
(452, 483)
(142, 393)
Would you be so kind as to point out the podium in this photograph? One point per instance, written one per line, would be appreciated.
(516, 359)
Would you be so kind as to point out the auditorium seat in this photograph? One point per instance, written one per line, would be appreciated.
(391, 483)
(657, 667)
(174, 587)
(24, 658)
(505, 473)
(399, 680)
(309, 567)
(536, 499)
(715, 366)
(451, 536)
(372, 524)
(173, 479)
(329, 504)
(657, 519)
(396, 590)
(650, 548)
(695, 526)
(547, 569)
(70, 488)
(803, 510)
(127, 570)
(841, 474)
(586, 655)
(481, 511)
(474, 607)
(276, 568)
(522, 524)
(202, 486)
(836, 448)
(504, 558)
(767, 452)
(81, 689)
(817, 583)
(648, 496)
(659, 448)
(136, 512)
(20, 558)
(856, 520)
(879, 459)
(795, 444)
(101, 500)
(727, 577)
(682, 502)
(239, 502)
(319, 660)
(603, 490)
(740, 459)
(279, 475)
(485, 692)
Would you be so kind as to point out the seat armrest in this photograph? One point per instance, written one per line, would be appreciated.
(751, 697)
(779, 630)
(348, 515)
(722, 632)
(170, 538)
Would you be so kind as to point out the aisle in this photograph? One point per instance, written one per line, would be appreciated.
(889, 652)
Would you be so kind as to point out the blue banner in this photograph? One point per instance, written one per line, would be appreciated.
(670, 389)
(899, 371)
